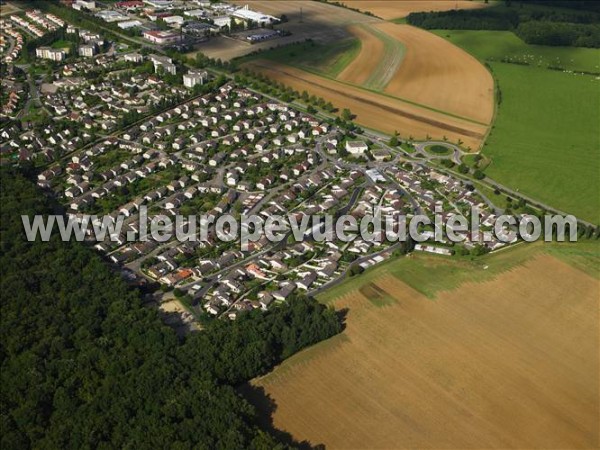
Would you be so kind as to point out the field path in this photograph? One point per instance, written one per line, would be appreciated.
(371, 52)
(379, 59)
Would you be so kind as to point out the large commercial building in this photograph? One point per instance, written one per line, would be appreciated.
(247, 14)
(163, 37)
(127, 24)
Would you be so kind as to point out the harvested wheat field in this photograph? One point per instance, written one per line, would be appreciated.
(396, 9)
(376, 111)
(508, 363)
(440, 75)
(371, 54)
(378, 61)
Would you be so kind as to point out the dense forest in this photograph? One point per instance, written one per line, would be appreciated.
(85, 365)
(578, 26)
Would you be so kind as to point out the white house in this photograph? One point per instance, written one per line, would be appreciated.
(356, 147)
(194, 77)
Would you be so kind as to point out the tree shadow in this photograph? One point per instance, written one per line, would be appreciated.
(266, 407)
(342, 314)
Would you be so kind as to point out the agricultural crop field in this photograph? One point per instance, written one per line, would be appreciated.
(498, 45)
(500, 352)
(396, 9)
(374, 110)
(323, 59)
(378, 61)
(440, 76)
(546, 138)
(413, 81)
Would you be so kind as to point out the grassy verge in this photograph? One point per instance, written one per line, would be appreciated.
(431, 274)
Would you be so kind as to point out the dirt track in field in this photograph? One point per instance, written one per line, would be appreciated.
(509, 363)
(374, 110)
(396, 9)
(440, 75)
(370, 55)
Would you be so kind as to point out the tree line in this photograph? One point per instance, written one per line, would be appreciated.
(553, 27)
(85, 365)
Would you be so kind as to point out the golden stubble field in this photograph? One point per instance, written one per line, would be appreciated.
(371, 53)
(397, 9)
(440, 75)
(403, 79)
(433, 72)
(374, 110)
(508, 363)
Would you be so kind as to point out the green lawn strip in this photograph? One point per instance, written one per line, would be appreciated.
(584, 256)
(471, 161)
(431, 274)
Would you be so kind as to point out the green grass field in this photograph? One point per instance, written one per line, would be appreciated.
(328, 60)
(430, 274)
(546, 138)
(495, 45)
(61, 44)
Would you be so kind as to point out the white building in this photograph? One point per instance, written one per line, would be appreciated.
(109, 15)
(356, 147)
(87, 50)
(126, 24)
(375, 176)
(88, 4)
(195, 13)
(222, 21)
(159, 4)
(174, 21)
(134, 57)
(50, 53)
(162, 37)
(165, 62)
(247, 14)
(194, 77)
